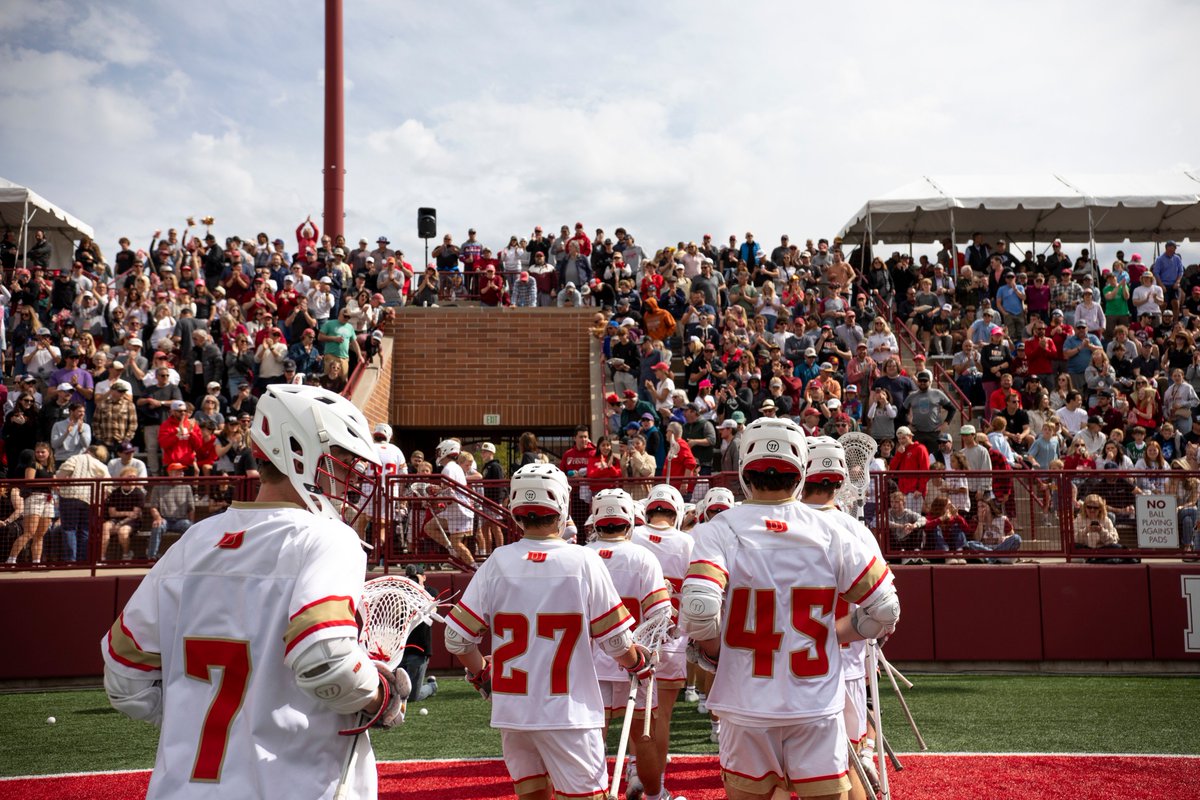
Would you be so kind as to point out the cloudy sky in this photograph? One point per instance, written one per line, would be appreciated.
(671, 118)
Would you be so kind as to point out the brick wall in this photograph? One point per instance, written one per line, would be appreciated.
(451, 366)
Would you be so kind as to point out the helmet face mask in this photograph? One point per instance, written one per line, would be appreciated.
(613, 513)
(321, 442)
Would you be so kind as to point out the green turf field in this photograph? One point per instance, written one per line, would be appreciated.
(956, 713)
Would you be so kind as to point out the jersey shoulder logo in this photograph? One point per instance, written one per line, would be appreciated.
(231, 540)
(654, 537)
(606, 553)
(775, 525)
(536, 556)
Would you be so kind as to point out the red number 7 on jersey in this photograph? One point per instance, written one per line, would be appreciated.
(232, 656)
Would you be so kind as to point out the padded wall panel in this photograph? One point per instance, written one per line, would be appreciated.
(913, 640)
(987, 613)
(1093, 612)
(1175, 610)
(54, 626)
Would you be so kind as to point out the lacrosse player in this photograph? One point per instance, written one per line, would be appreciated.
(543, 600)
(823, 476)
(759, 602)
(716, 500)
(673, 548)
(639, 580)
(241, 642)
(452, 524)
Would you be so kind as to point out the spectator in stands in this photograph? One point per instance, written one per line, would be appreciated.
(1093, 528)
(172, 507)
(156, 407)
(71, 436)
(179, 437)
(21, 429)
(115, 418)
(929, 410)
(338, 339)
(76, 496)
(125, 460)
(35, 464)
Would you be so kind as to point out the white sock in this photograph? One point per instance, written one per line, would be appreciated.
(11, 560)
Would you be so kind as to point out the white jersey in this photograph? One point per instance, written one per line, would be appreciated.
(781, 567)
(638, 578)
(392, 459)
(673, 549)
(854, 653)
(457, 517)
(219, 620)
(542, 599)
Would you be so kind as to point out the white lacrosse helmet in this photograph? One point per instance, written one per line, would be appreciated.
(382, 432)
(539, 490)
(296, 428)
(826, 460)
(716, 500)
(639, 512)
(447, 448)
(612, 507)
(664, 496)
(773, 444)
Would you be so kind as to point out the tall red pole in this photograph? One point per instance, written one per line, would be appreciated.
(334, 166)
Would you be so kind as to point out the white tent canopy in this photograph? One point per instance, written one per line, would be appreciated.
(1075, 208)
(23, 210)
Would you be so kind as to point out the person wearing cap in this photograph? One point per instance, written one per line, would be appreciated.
(929, 410)
(1148, 298)
(730, 433)
(172, 508)
(652, 435)
(115, 417)
(71, 374)
(125, 458)
(1168, 271)
(910, 456)
(26, 389)
(1010, 298)
(41, 356)
(632, 408)
(338, 340)
(492, 473)
(700, 435)
(393, 281)
(1077, 350)
(179, 436)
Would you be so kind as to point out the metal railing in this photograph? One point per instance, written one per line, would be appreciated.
(424, 519)
(906, 340)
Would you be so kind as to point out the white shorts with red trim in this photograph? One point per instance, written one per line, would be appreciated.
(571, 762)
(615, 695)
(808, 758)
(855, 711)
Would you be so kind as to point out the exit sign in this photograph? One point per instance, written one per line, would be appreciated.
(491, 419)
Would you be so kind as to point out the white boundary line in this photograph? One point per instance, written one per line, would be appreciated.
(674, 757)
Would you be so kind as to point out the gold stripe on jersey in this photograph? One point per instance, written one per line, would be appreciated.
(125, 649)
(709, 572)
(653, 599)
(867, 582)
(468, 620)
(328, 612)
(610, 620)
(602, 795)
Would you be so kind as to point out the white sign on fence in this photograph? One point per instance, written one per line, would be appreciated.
(1157, 521)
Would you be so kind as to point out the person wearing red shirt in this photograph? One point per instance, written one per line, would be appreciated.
(910, 455)
(287, 298)
(580, 454)
(491, 287)
(1041, 351)
(651, 285)
(585, 244)
(179, 437)
(604, 468)
(206, 450)
(681, 462)
(998, 399)
(1058, 333)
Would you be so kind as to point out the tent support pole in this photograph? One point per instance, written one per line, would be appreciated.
(953, 247)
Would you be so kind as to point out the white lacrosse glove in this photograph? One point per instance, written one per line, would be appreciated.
(697, 656)
(396, 688)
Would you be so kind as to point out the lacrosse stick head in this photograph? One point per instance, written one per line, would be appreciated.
(860, 449)
(392, 606)
(652, 631)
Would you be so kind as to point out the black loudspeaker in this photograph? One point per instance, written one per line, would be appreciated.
(427, 223)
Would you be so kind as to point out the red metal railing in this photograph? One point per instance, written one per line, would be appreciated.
(406, 515)
(906, 340)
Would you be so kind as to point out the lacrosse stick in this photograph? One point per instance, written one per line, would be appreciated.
(857, 764)
(873, 678)
(903, 703)
(888, 665)
(860, 449)
(392, 606)
(650, 634)
(891, 754)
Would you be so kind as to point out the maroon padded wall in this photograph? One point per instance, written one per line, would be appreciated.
(1095, 613)
(54, 626)
(1169, 611)
(986, 613)
(913, 640)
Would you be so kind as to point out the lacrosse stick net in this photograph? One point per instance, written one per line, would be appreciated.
(651, 634)
(392, 607)
(860, 449)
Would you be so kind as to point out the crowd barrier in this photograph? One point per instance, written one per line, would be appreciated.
(423, 519)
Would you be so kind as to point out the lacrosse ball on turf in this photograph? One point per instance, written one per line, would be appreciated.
(50, 720)
(424, 712)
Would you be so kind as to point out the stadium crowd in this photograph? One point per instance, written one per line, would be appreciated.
(1011, 360)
